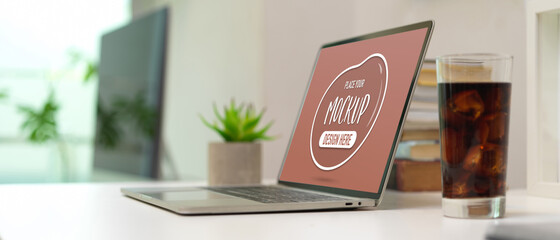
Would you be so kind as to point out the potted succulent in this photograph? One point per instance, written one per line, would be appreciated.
(237, 160)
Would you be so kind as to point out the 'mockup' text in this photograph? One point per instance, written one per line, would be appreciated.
(347, 110)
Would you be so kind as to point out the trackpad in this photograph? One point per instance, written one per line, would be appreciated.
(186, 195)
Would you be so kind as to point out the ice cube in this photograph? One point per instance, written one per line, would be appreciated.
(499, 100)
(453, 146)
(467, 103)
(457, 189)
(497, 124)
(481, 132)
(454, 119)
(485, 160)
(456, 183)
(492, 128)
(489, 186)
(497, 186)
(481, 186)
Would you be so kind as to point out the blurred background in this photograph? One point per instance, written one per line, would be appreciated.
(254, 51)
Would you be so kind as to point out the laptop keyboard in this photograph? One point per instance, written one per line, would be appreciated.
(272, 194)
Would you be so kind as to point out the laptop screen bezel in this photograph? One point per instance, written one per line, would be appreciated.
(348, 192)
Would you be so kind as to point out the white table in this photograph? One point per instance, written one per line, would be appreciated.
(99, 211)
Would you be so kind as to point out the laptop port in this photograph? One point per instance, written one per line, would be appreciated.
(348, 204)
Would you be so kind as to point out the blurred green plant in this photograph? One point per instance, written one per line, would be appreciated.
(108, 133)
(3, 94)
(91, 71)
(77, 57)
(41, 123)
(238, 123)
(41, 126)
(136, 111)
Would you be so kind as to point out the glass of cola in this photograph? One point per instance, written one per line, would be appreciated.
(474, 92)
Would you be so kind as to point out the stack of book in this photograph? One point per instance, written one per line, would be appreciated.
(417, 162)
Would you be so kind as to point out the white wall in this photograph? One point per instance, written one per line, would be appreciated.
(263, 51)
(214, 55)
(295, 29)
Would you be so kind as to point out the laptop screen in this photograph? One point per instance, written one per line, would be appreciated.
(348, 126)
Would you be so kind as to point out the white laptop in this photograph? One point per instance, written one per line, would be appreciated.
(344, 140)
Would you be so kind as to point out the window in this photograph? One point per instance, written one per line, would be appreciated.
(46, 47)
(543, 101)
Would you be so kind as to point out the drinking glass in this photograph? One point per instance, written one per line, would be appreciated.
(474, 92)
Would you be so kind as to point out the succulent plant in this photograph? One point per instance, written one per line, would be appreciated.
(238, 123)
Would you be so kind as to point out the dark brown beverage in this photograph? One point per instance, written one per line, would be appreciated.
(474, 121)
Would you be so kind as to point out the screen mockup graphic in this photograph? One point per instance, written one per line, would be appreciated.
(351, 112)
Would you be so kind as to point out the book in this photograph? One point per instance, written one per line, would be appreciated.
(428, 116)
(425, 93)
(417, 166)
(427, 77)
(428, 74)
(424, 106)
(425, 151)
(420, 125)
(422, 134)
(423, 110)
(419, 150)
(410, 175)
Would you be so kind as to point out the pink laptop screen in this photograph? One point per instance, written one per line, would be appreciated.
(350, 116)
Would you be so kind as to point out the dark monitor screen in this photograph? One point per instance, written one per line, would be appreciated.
(131, 77)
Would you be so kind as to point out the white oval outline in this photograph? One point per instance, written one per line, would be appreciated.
(380, 107)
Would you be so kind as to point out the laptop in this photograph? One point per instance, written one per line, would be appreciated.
(342, 147)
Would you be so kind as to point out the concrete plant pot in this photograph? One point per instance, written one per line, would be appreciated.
(234, 164)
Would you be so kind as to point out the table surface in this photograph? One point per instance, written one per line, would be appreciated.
(100, 211)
